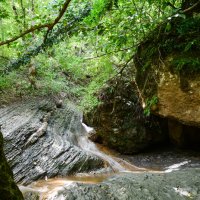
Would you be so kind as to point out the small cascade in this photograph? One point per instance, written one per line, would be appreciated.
(116, 164)
(78, 132)
(89, 146)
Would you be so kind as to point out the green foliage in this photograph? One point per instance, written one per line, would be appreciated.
(3, 13)
(4, 83)
(85, 49)
(3, 10)
(99, 9)
(177, 36)
(150, 102)
(103, 72)
(187, 64)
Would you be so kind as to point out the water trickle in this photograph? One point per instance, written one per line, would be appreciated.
(89, 146)
(116, 164)
(75, 133)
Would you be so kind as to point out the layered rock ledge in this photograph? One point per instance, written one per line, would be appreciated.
(40, 140)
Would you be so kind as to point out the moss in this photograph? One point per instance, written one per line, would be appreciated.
(8, 189)
(179, 38)
(120, 122)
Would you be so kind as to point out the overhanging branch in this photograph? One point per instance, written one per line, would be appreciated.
(59, 33)
(32, 29)
(192, 7)
(40, 26)
(62, 11)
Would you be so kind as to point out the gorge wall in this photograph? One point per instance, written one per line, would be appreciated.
(168, 68)
(165, 87)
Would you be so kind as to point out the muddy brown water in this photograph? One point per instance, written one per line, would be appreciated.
(49, 187)
(157, 161)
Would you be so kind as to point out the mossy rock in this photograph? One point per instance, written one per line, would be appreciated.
(120, 122)
(168, 68)
(172, 46)
(8, 188)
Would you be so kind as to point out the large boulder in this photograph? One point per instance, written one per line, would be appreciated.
(8, 188)
(41, 140)
(168, 68)
(119, 120)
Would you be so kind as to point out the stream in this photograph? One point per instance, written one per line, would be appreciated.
(113, 165)
(52, 159)
(159, 162)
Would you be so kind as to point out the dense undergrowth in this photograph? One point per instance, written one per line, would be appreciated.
(93, 42)
(63, 71)
(179, 38)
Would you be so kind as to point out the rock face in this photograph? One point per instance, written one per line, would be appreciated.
(175, 185)
(40, 140)
(177, 101)
(119, 121)
(8, 188)
(172, 74)
(178, 94)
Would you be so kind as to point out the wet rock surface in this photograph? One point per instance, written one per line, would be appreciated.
(8, 188)
(164, 178)
(165, 158)
(40, 140)
(30, 194)
(44, 141)
(120, 122)
(175, 185)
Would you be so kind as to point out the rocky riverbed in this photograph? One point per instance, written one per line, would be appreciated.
(52, 159)
(178, 185)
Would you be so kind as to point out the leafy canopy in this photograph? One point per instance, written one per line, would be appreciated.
(75, 45)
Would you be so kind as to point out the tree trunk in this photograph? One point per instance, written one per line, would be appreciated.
(8, 189)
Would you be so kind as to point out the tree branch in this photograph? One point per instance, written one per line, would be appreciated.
(32, 29)
(105, 54)
(191, 8)
(40, 26)
(126, 64)
(58, 35)
(62, 11)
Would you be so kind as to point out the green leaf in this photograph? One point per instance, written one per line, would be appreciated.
(168, 27)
